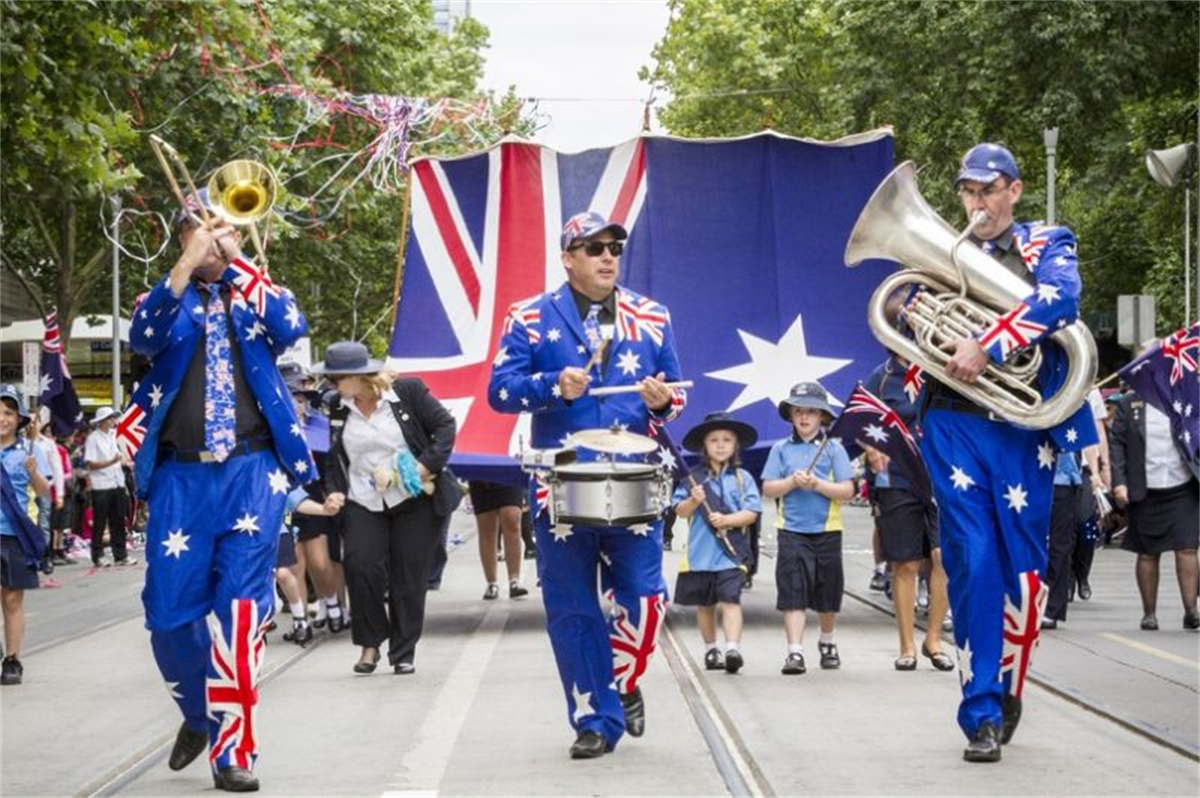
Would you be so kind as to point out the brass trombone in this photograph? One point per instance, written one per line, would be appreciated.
(242, 192)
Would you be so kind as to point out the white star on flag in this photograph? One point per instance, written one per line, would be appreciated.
(44, 384)
(555, 391)
(1177, 405)
(247, 523)
(774, 368)
(300, 466)
(293, 315)
(524, 402)
(582, 702)
(501, 356)
(176, 544)
(961, 479)
(667, 458)
(1016, 498)
(1187, 411)
(1047, 293)
(156, 395)
(299, 433)
(1072, 435)
(581, 349)
(254, 330)
(875, 433)
(642, 530)
(173, 689)
(149, 332)
(965, 674)
(503, 394)
(561, 532)
(629, 363)
(279, 481)
(1045, 456)
(553, 334)
(144, 315)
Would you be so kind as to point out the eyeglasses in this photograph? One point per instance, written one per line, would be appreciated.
(595, 249)
(988, 193)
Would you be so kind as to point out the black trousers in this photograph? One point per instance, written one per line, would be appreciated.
(387, 560)
(1064, 526)
(108, 509)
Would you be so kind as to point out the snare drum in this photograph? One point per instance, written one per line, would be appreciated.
(608, 494)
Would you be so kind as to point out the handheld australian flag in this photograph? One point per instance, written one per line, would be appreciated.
(1167, 378)
(867, 420)
(669, 453)
(57, 389)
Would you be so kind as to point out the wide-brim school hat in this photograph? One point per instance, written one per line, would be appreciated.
(747, 436)
(103, 414)
(805, 394)
(13, 394)
(348, 357)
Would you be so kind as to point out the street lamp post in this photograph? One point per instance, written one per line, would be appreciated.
(117, 398)
(1168, 168)
(1050, 137)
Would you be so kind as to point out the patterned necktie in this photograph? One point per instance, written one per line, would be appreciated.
(591, 328)
(220, 408)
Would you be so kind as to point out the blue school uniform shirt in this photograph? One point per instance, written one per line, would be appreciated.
(704, 553)
(1066, 470)
(13, 460)
(805, 511)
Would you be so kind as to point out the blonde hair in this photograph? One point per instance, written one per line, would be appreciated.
(380, 382)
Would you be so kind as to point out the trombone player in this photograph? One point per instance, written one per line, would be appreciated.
(218, 452)
(993, 479)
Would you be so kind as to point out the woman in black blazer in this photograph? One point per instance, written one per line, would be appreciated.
(389, 440)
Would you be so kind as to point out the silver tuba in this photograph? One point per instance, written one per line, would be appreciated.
(966, 291)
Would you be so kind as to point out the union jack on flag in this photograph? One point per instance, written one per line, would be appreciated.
(57, 390)
(637, 318)
(1022, 625)
(633, 643)
(913, 382)
(254, 283)
(233, 693)
(1167, 378)
(527, 317)
(1031, 250)
(1012, 330)
(867, 420)
(131, 429)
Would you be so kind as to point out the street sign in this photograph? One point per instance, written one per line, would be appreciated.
(31, 361)
(1135, 319)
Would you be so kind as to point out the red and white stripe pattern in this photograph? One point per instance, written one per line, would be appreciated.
(1012, 331)
(640, 317)
(518, 257)
(131, 429)
(1022, 628)
(254, 284)
(634, 644)
(1031, 250)
(527, 317)
(1181, 348)
(233, 694)
(541, 495)
(913, 382)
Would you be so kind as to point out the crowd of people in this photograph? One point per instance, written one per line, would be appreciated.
(268, 484)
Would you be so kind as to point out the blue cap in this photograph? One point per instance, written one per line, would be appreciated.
(985, 163)
(588, 224)
(13, 394)
(805, 394)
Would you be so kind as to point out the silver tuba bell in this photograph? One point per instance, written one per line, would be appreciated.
(966, 290)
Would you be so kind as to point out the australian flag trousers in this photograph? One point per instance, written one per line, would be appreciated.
(994, 485)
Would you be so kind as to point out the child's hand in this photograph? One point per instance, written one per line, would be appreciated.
(334, 503)
(698, 493)
(31, 465)
(877, 461)
(717, 520)
(804, 480)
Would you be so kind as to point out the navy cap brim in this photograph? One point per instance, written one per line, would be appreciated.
(985, 176)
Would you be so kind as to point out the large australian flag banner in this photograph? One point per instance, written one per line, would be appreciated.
(742, 239)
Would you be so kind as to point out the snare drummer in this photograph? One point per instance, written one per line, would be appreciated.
(590, 332)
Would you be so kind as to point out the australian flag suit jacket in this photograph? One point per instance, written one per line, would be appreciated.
(544, 335)
(265, 321)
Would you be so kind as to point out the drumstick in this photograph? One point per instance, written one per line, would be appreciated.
(596, 357)
(615, 389)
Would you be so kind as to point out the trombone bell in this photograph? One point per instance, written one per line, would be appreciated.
(242, 192)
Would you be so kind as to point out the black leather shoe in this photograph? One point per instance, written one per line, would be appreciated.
(364, 665)
(1049, 623)
(635, 712)
(588, 745)
(1191, 620)
(189, 744)
(336, 624)
(301, 634)
(1012, 716)
(1085, 590)
(404, 669)
(234, 779)
(733, 661)
(985, 745)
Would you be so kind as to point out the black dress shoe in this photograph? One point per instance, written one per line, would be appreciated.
(404, 669)
(1012, 716)
(588, 745)
(336, 624)
(635, 712)
(1191, 620)
(985, 745)
(1049, 623)
(235, 779)
(1085, 590)
(364, 665)
(301, 634)
(189, 744)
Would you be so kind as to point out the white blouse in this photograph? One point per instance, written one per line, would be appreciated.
(370, 442)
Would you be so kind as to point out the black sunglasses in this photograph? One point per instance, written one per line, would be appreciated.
(596, 248)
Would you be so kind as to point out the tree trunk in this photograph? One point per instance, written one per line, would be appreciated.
(66, 272)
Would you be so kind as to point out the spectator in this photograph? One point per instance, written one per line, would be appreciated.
(498, 513)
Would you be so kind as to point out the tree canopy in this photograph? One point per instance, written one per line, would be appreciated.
(1115, 78)
(83, 83)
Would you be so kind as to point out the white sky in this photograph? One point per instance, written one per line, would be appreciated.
(574, 49)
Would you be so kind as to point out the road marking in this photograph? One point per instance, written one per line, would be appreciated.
(1152, 651)
(423, 767)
